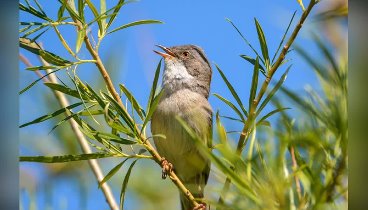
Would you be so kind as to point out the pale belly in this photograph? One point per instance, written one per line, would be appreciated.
(178, 148)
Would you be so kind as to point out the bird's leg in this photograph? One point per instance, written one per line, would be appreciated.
(201, 206)
(166, 167)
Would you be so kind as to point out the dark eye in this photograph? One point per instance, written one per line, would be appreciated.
(186, 53)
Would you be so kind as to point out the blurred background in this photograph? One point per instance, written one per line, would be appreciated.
(130, 60)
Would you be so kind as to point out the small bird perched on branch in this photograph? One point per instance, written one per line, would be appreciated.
(186, 86)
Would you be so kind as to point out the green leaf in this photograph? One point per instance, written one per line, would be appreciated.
(64, 158)
(152, 109)
(32, 47)
(121, 112)
(273, 91)
(139, 22)
(253, 89)
(232, 118)
(116, 10)
(72, 11)
(49, 116)
(253, 61)
(63, 89)
(34, 82)
(283, 38)
(34, 12)
(154, 86)
(263, 119)
(114, 138)
(80, 38)
(125, 184)
(231, 105)
(40, 8)
(36, 68)
(102, 11)
(232, 90)
(96, 14)
(81, 5)
(263, 43)
(33, 30)
(61, 12)
(133, 101)
(111, 173)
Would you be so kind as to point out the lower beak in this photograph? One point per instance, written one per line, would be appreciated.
(168, 53)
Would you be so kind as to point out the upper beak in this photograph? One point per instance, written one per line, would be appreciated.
(168, 53)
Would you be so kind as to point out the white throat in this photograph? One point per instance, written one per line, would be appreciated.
(175, 75)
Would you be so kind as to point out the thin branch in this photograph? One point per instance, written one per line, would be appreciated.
(63, 101)
(247, 129)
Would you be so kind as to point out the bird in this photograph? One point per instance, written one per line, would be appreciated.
(186, 86)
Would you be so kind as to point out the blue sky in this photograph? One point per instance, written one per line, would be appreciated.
(185, 22)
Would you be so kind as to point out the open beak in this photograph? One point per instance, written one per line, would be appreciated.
(168, 53)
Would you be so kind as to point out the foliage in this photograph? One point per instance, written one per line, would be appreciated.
(306, 167)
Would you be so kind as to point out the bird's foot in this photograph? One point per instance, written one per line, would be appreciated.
(166, 168)
(200, 206)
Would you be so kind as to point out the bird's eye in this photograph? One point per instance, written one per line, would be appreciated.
(186, 53)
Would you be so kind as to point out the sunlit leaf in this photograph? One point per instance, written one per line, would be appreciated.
(137, 107)
(64, 158)
(231, 105)
(263, 43)
(253, 61)
(125, 184)
(135, 23)
(111, 173)
(253, 89)
(232, 90)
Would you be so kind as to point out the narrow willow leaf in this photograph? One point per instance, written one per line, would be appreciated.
(40, 34)
(25, 29)
(40, 8)
(253, 61)
(102, 11)
(246, 41)
(49, 116)
(327, 53)
(63, 89)
(283, 38)
(34, 82)
(114, 138)
(72, 11)
(116, 11)
(91, 112)
(137, 107)
(123, 113)
(111, 173)
(33, 31)
(80, 38)
(263, 43)
(273, 91)
(152, 109)
(253, 89)
(264, 118)
(231, 105)
(135, 23)
(96, 14)
(35, 68)
(64, 158)
(33, 12)
(81, 5)
(317, 67)
(125, 184)
(154, 86)
(61, 12)
(232, 118)
(232, 90)
(32, 47)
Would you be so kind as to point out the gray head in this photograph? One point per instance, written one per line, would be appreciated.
(186, 67)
